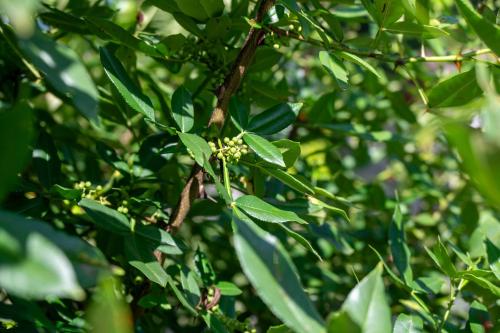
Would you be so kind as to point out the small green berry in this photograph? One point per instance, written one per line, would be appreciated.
(99, 188)
(291, 27)
(88, 184)
(220, 156)
(240, 142)
(237, 155)
(226, 140)
(244, 151)
(233, 150)
(276, 46)
(231, 143)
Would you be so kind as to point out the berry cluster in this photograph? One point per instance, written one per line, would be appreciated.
(87, 190)
(123, 208)
(232, 149)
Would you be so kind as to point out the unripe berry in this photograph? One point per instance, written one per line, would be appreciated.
(220, 156)
(231, 143)
(237, 155)
(233, 150)
(240, 142)
(226, 140)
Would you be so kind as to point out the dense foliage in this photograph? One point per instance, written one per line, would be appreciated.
(250, 166)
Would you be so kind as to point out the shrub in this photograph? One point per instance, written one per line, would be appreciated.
(249, 166)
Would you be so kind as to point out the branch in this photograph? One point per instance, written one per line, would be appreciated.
(337, 46)
(194, 185)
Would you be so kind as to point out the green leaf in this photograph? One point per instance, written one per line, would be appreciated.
(493, 257)
(335, 68)
(43, 271)
(16, 134)
(340, 321)
(273, 275)
(109, 311)
(487, 31)
(212, 7)
(180, 296)
(110, 31)
(106, 218)
(384, 12)
(228, 288)
(64, 71)
(478, 315)
(478, 278)
(263, 211)
(139, 254)
(274, 119)
(77, 250)
(417, 30)
(480, 159)
(218, 185)
(455, 91)
(109, 155)
(198, 146)
(46, 161)
(201, 10)
(399, 248)
(65, 21)
(214, 322)
(289, 149)
(190, 286)
(360, 61)
(239, 114)
(130, 92)
(66, 193)
(279, 329)
(440, 256)
(418, 9)
(301, 240)
(204, 268)
(158, 238)
(264, 149)
(408, 324)
(288, 179)
(367, 306)
(183, 110)
(336, 210)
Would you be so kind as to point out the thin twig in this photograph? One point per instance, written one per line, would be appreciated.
(337, 46)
